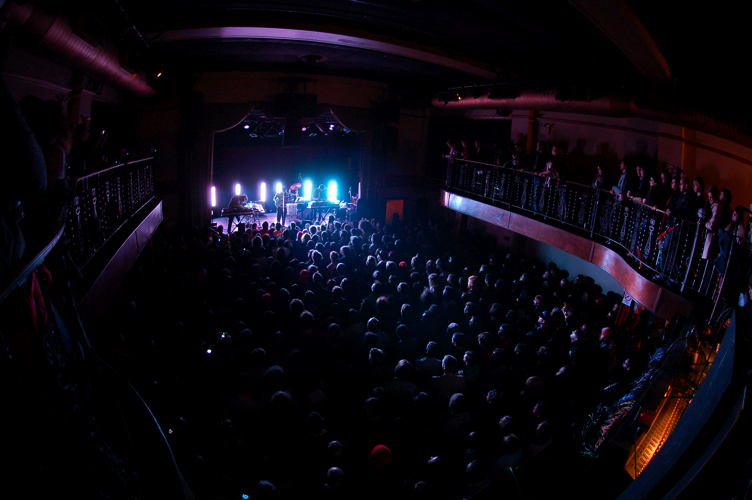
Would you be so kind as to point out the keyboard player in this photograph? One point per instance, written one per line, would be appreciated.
(237, 203)
(318, 198)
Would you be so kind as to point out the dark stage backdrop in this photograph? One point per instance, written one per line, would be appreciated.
(320, 161)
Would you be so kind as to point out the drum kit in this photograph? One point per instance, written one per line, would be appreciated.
(291, 200)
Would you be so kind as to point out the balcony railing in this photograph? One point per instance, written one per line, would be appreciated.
(658, 243)
(103, 203)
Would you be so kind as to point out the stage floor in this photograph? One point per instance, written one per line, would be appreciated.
(271, 218)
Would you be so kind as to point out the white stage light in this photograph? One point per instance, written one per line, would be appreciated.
(237, 188)
(332, 191)
(213, 196)
(262, 194)
(279, 187)
(307, 190)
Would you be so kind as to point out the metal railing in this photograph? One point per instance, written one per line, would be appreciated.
(664, 244)
(103, 203)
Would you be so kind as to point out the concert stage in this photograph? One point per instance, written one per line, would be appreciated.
(300, 217)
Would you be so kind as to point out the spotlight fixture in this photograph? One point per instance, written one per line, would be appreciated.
(446, 97)
(246, 126)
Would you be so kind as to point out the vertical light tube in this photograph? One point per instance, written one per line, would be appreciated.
(262, 194)
(332, 191)
(237, 188)
(279, 187)
(307, 190)
(213, 196)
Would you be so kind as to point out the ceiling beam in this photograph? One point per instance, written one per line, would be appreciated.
(621, 25)
(280, 34)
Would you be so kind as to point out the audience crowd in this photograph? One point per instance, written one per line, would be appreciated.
(407, 360)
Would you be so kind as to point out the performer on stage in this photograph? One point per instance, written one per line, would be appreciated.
(319, 197)
(236, 204)
(319, 194)
(280, 201)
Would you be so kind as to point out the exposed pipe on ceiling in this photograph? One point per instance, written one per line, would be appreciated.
(649, 107)
(40, 29)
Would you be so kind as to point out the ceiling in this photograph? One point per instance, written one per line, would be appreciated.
(409, 43)
(688, 48)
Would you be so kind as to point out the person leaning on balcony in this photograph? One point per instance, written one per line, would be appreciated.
(666, 189)
(737, 224)
(643, 186)
(655, 193)
(515, 163)
(541, 158)
(601, 180)
(679, 205)
(714, 221)
(673, 192)
(558, 159)
(454, 152)
(551, 170)
(469, 151)
(627, 181)
(698, 196)
(724, 200)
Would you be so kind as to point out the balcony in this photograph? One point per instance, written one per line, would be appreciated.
(628, 239)
(99, 437)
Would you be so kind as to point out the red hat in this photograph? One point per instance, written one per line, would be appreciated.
(403, 264)
(381, 456)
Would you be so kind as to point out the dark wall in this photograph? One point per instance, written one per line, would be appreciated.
(120, 123)
(442, 129)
